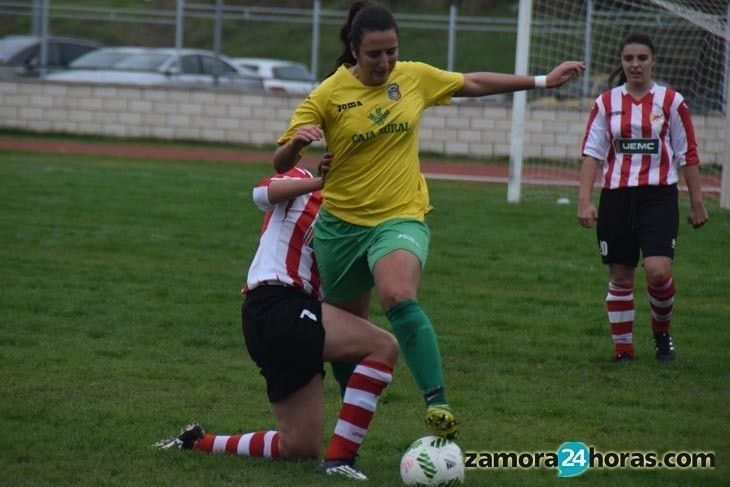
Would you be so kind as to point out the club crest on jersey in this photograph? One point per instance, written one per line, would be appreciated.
(657, 113)
(394, 91)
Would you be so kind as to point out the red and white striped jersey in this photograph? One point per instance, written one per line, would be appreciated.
(641, 142)
(284, 254)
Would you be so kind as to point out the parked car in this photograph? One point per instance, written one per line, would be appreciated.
(153, 66)
(20, 56)
(280, 76)
(104, 58)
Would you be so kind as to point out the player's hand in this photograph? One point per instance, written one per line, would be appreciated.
(587, 213)
(324, 165)
(697, 216)
(307, 134)
(565, 72)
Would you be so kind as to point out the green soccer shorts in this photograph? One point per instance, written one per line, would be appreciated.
(347, 253)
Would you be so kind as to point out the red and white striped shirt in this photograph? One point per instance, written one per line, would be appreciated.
(284, 254)
(642, 142)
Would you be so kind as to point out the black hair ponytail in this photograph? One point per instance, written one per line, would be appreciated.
(617, 73)
(346, 57)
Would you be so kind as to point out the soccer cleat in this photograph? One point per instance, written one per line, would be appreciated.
(186, 440)
(344, 467)
(664, 347)
(442, 422)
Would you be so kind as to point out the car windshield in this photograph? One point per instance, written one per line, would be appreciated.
(141, 62)
(11, 45)
(294, 73)
(101, 58)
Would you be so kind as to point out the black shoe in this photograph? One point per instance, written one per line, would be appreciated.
(664, 347)
(344, 467)
(185, 440)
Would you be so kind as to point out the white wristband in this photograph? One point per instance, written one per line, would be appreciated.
(540, 81)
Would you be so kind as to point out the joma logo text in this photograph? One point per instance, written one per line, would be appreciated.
(346, 106)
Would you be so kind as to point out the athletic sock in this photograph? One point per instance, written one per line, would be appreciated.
(435, 397)
(419, 346)
(342, 372)
(358, 406)
(661, 298)
(620, 306)
(259, 444)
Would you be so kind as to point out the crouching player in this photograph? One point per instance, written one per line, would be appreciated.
(289, 333)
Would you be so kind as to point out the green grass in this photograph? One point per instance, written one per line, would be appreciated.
(119, 323)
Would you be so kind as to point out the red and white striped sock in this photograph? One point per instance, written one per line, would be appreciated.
(661, 297)
(259, 444)
(358, 406)
(620, 306)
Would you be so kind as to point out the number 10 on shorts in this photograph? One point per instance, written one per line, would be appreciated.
(573, 459)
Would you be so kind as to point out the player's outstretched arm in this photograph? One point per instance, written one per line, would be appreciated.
(486, 83)
(286, 189)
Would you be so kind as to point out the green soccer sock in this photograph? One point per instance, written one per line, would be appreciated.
(420, 348)
(342, 372)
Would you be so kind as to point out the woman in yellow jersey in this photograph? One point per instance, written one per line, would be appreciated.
(371, 229)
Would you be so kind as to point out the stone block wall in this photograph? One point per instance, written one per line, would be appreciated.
(467, 127)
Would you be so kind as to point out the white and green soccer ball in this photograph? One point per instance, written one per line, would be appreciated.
(432, 461)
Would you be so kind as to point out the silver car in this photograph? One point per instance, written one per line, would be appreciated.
(158, 67)
(20, 56)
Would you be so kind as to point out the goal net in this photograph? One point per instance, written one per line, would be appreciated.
(692, 38)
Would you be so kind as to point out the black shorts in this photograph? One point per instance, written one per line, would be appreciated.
(630, 220)
(282, 328)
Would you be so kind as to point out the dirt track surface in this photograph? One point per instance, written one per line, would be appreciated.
(442, 169)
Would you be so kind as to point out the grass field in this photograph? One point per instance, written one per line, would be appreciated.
(119, 323)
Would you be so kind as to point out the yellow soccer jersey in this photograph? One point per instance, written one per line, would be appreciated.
(373, 133)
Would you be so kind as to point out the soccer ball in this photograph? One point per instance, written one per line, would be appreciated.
(432, 461)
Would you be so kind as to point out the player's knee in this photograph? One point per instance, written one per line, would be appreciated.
(381, 346)
(388, 348)
(657, 275)
(390, 298)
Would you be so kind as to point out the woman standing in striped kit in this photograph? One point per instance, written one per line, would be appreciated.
(642, 134)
